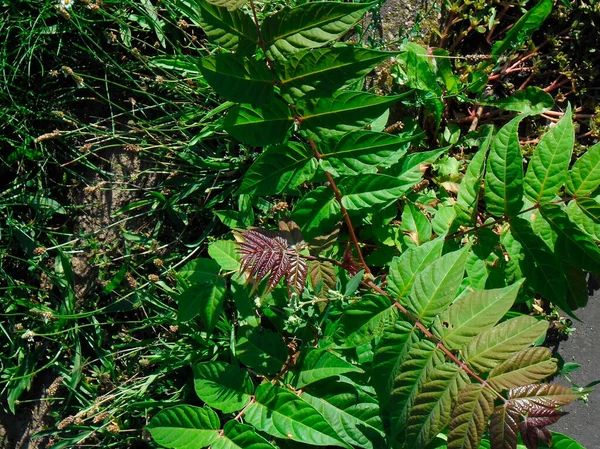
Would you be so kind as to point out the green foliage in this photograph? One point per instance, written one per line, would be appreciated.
(432, 349)
(288, 333)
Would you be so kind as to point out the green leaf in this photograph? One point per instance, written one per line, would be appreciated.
(342, 112)
(200, 270)
(181, 63)
(232, 30)
(560, 441)
(240, 436)
(229, 4)
(310, 25)
(416, 367)
(585, 173)
(370, 191)
(470, 416)
(279, 169)
(572, 244)
(317, 364)
(529, 101)
(404, 269)
(392, 349)
(361, 152)
(353, 415)
(326, 70)
(281, 413)
(205, 299)
(547, 169)
(504, 175)
(238, 79)
(473, 313)
(222, 386)
(539, 264)
(431, 411)
(364, 320)
(468, 192)
(259, 125)
(415, 69)
(437, 285)
(585, 213)
(224, 252)
(185, 427)
(317, 212)
(499, 343)
(525, 367)
(504, 425)
(415, 225)
(526, 25)
(261, 349)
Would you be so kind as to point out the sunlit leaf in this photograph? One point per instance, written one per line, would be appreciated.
(585, 173)
(437, 285)
(410, 263)
(184, 427)
(281, 413)
(499, 343)
(364, 320)
(310, 25)
(204, 299)
(473, 313)
(525, 367)
(504, 427)
(504, 174)
(468, 192)
(547, 169)
(317, 364)
(240, 436)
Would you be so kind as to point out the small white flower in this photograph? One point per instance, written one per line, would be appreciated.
(66, 3)
(28, 335)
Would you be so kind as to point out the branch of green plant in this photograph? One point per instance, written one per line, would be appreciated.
(338, 197)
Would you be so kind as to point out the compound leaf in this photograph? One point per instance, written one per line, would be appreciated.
(342, 112)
